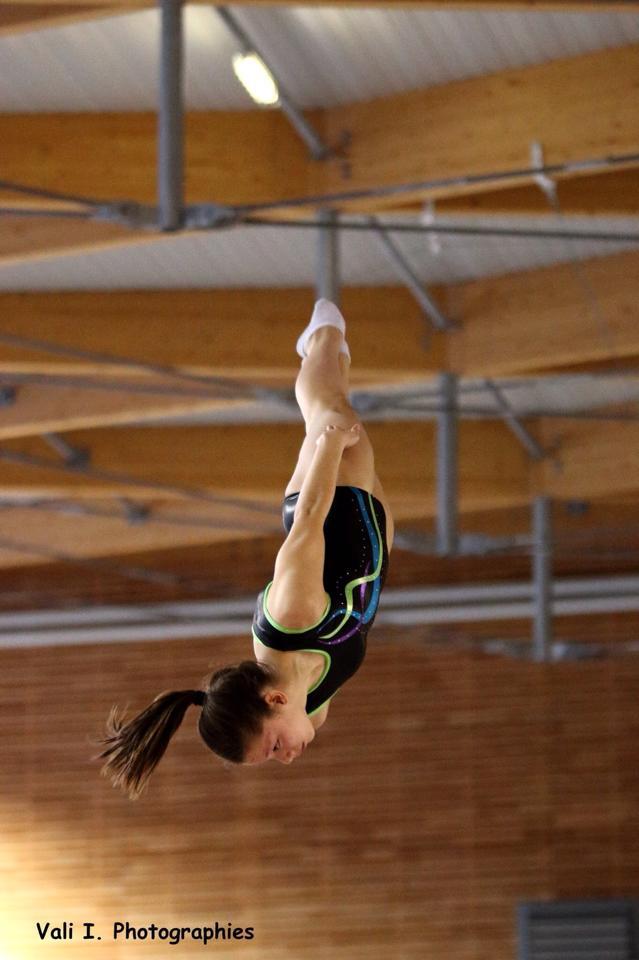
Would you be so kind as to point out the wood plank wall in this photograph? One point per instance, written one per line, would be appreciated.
(443, 790)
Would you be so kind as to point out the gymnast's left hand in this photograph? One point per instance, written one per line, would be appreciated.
(348, 437)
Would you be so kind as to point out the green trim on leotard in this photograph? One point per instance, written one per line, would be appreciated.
(327, 667)
(279, 626)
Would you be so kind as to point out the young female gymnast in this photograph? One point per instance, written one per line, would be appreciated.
(312, 618)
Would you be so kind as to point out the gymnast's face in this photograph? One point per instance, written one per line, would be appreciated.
(286, 732)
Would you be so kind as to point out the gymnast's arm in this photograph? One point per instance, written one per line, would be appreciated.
(297, 597)
(318, 488)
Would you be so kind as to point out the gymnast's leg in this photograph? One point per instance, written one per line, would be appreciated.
(321, 390)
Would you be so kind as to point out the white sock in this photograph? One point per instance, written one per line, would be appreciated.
(325, 314)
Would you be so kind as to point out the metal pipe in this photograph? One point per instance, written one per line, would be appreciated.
(591, 165)
(121, 624)
(170, 118)
(405, 271)
(327, 280)
(467, 229)
(315, 144)
(534, 449)
(447, 481)
(542, 578)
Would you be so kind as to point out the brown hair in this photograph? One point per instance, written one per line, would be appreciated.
(233, 711)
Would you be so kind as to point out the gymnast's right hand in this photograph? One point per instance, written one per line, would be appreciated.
(348, 437)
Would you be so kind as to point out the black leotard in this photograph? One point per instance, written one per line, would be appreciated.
(355, 566)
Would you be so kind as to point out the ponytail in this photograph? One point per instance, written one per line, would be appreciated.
(134, 749)
(233, 711)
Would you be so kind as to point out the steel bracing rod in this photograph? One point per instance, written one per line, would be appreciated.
(116, 386)
(315, 144)
(109, 359)
(170, 155)
(462, 230)
(285, 398)
(68, 453)
(476, 179)
(447, 480)
(49, 194)
(151, 518)
(530, 444)
(327, 277)
(407, 274)
(542, 578)
(117, 213)
(528, 173)
(53, 214)
(112, 476)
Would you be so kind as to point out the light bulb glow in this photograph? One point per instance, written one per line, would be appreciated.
(256, 78)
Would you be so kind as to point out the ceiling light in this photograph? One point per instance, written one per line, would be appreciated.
(256, 78)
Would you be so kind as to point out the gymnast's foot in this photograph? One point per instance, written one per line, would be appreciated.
(325, 314)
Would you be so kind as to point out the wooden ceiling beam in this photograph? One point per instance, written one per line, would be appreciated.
(541, 319)
(245, 334)
(574, 107)
(105, 532)
(112, 156)
(594, 459)
(603, 194)
(39, 409)
(24, 17)
(474, 127)
(222, 460)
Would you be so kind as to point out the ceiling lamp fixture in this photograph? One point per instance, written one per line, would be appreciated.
(256, 78)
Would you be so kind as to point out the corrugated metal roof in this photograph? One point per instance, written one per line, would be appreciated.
(324, 56)
(273, 256)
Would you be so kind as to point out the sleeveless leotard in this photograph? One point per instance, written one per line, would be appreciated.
(355, 567)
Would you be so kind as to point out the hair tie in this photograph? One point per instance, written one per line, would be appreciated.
(198, 697)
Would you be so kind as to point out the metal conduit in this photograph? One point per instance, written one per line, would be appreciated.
(405, 607)
(170, 118)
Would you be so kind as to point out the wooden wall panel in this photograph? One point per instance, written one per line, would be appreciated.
(443, 790)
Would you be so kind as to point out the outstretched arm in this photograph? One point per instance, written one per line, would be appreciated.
(318, 488)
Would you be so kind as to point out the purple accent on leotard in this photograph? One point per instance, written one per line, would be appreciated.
(346, 636)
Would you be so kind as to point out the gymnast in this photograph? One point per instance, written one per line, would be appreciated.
(311, 620)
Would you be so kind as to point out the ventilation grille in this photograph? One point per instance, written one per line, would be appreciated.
(579, 930)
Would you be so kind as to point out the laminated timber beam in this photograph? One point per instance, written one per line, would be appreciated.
(477, 126)
(256, 462)
(599, 460)
(23, 17)
(488, 124)
(540, 319)
(106, 533)
(602, 194)
(241, 333)
(38, 409)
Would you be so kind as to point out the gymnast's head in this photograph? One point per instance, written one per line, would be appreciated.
(245, 719)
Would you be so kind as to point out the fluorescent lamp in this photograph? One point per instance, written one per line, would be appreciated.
(256, 78)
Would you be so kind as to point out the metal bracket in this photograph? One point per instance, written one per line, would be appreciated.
(207, 216)
(138, 216)
(73, 456)
(134, 513)
(428, 219)
(128, 213)
(543, 181)
(8, 396)
(340, 153)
